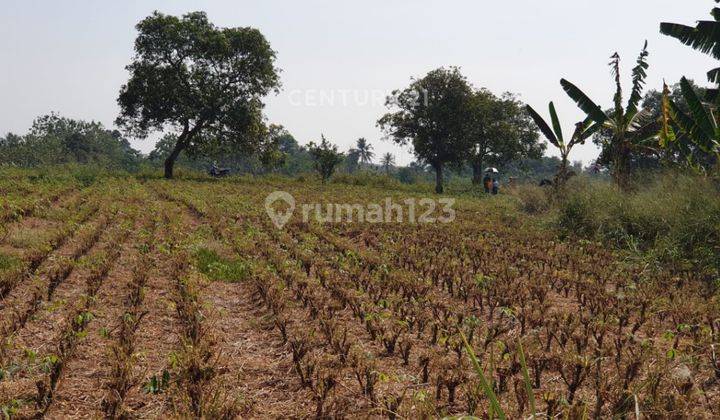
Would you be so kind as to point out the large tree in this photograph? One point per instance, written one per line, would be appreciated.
(199, 81)
(270, 155)
(500, 131)
(430, 114)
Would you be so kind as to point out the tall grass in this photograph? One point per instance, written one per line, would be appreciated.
(484, 384)
(673, 219)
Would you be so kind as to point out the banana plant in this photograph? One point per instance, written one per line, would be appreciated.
(700, 127)
(629, 128)
(704, 37)
(583, 130)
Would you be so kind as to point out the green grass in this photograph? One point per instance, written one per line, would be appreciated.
(8, 262)
(673, 220)
(219, 269)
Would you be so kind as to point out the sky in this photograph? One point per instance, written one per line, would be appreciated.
(340, 58)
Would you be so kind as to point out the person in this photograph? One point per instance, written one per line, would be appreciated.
(487, 182)
(495, 186)
(214, 169)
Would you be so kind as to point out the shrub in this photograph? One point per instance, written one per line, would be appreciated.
(85, 175)
(674, 218)
(533, 199)
(587, 208)
(368, 179)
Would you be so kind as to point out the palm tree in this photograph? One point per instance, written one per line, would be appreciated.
(629, 130)
(703, 37)
(583, 130)
(351, 160)
(387, 162)
(364, 150)
(701, 127)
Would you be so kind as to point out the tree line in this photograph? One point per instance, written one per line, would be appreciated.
(201, 88)
(205, 84)
(448, 123)
(55, 140)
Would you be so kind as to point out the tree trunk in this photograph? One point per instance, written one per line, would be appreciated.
(170, 161)
(182, 143)
(439, 179)
(477, 178)
(621, 166)
(562, 174)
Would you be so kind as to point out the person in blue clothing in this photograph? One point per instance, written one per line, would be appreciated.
(495, 186)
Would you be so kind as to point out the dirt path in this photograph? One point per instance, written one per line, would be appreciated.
(255, 367)
(253, 360)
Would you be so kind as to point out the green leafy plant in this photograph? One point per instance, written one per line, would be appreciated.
(218, 268)
(157, 385)
(11, 408)
(701, 126)
(104, 332)
(326, 157)
(629, 130)
(484, 384)
(703, 37)
(583, 130)
(49, 362)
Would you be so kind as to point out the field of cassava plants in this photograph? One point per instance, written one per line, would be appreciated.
(146, 298)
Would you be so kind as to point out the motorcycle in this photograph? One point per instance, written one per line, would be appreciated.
(218, 172)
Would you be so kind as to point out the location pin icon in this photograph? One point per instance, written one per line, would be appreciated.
(279, 218)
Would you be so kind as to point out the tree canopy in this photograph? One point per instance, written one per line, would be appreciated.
(54, 139)
(326, 157)
(430, 115)
(201, 82)
(449, 123)
(500, 131)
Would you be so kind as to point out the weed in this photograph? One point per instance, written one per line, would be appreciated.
(157, 385)
(218, 268)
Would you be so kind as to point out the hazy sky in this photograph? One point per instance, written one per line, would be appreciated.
(339, 58)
